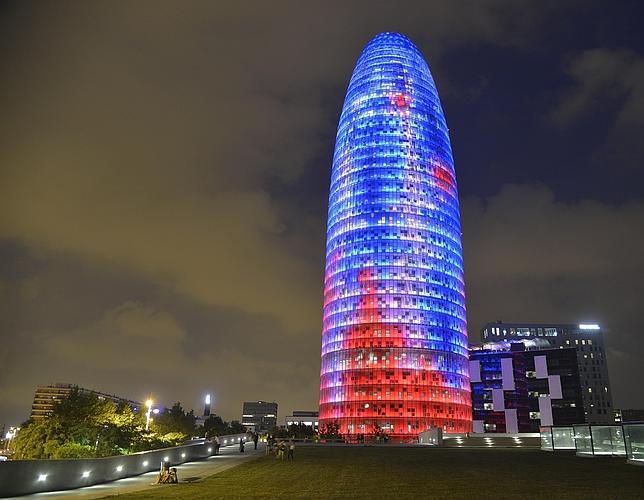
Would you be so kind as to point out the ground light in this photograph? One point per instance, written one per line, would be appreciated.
(145, 463)
(42, 477)
(119, 468)
(87, 473)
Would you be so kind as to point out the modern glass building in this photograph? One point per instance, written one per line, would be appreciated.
(259, 416)
(588, 340)
(394, 341)
(520, 385)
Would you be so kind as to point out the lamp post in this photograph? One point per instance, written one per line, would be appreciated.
(148, 403)
(206, 410)
(11, 433)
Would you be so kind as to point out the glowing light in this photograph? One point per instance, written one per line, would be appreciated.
(207, 399)
(394, 341)
(183, 455)
(86, 473)
(589, 327)
(42, 477)
(209, 450)
(145, 463)
(119, 468)
(165, 459)
(149, 404)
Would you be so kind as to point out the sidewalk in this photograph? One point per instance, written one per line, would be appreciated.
(189, 472)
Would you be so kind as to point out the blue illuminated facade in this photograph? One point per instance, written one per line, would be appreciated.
(394, 342)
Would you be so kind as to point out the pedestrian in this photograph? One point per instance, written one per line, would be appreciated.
(255, 439)
(241, 445)
(217, 445)
(291, 451)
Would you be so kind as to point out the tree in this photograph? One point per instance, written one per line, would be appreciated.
(214, 426)
(175, 421)
(279, 432)
(330, 430)
(377, 432)
(301, 431)
(30, 441)
(82, 425)
(236, 427)
(72, 450)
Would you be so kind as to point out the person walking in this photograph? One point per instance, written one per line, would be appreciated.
(217, 445)
(291, 451)
(241, 445)
(255, 439)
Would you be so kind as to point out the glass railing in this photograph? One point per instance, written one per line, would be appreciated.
(634, 443)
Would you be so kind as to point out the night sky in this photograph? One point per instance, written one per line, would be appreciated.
(165, 171)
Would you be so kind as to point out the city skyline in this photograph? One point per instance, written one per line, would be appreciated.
(164, 181)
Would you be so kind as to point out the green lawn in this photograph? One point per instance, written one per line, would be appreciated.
(364, 472)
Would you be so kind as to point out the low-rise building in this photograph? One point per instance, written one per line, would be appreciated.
(518, 386)
(305, 417)
(587, 340)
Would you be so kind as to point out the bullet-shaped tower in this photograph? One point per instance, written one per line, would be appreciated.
(394, 341)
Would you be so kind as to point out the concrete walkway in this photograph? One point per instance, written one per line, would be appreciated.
(189, 472)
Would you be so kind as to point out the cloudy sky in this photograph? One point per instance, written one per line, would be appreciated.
(164, 172)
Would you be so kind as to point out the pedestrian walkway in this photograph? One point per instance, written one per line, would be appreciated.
(189, 472)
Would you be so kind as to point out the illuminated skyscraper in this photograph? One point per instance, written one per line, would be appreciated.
(394, 341)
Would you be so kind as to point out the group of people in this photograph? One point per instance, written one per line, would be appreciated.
(281, 448)
(167, 475)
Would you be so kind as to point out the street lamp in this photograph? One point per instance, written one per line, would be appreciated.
(11, 433)
(148, 403)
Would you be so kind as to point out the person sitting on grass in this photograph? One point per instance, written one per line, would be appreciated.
(164, 475)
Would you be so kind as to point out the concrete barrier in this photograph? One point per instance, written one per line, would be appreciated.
(23, 477)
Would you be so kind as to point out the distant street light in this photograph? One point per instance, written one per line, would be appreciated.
(148, 403)
(11, 433)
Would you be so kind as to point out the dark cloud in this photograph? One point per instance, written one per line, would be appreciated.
(165, 170)
(607, 80)
(96, 323)
(529, 257)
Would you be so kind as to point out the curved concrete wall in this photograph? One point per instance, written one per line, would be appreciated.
(22, 477)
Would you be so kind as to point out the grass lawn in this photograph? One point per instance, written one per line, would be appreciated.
(364, 472)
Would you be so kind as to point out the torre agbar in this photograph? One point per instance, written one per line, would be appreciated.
(394, 341)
